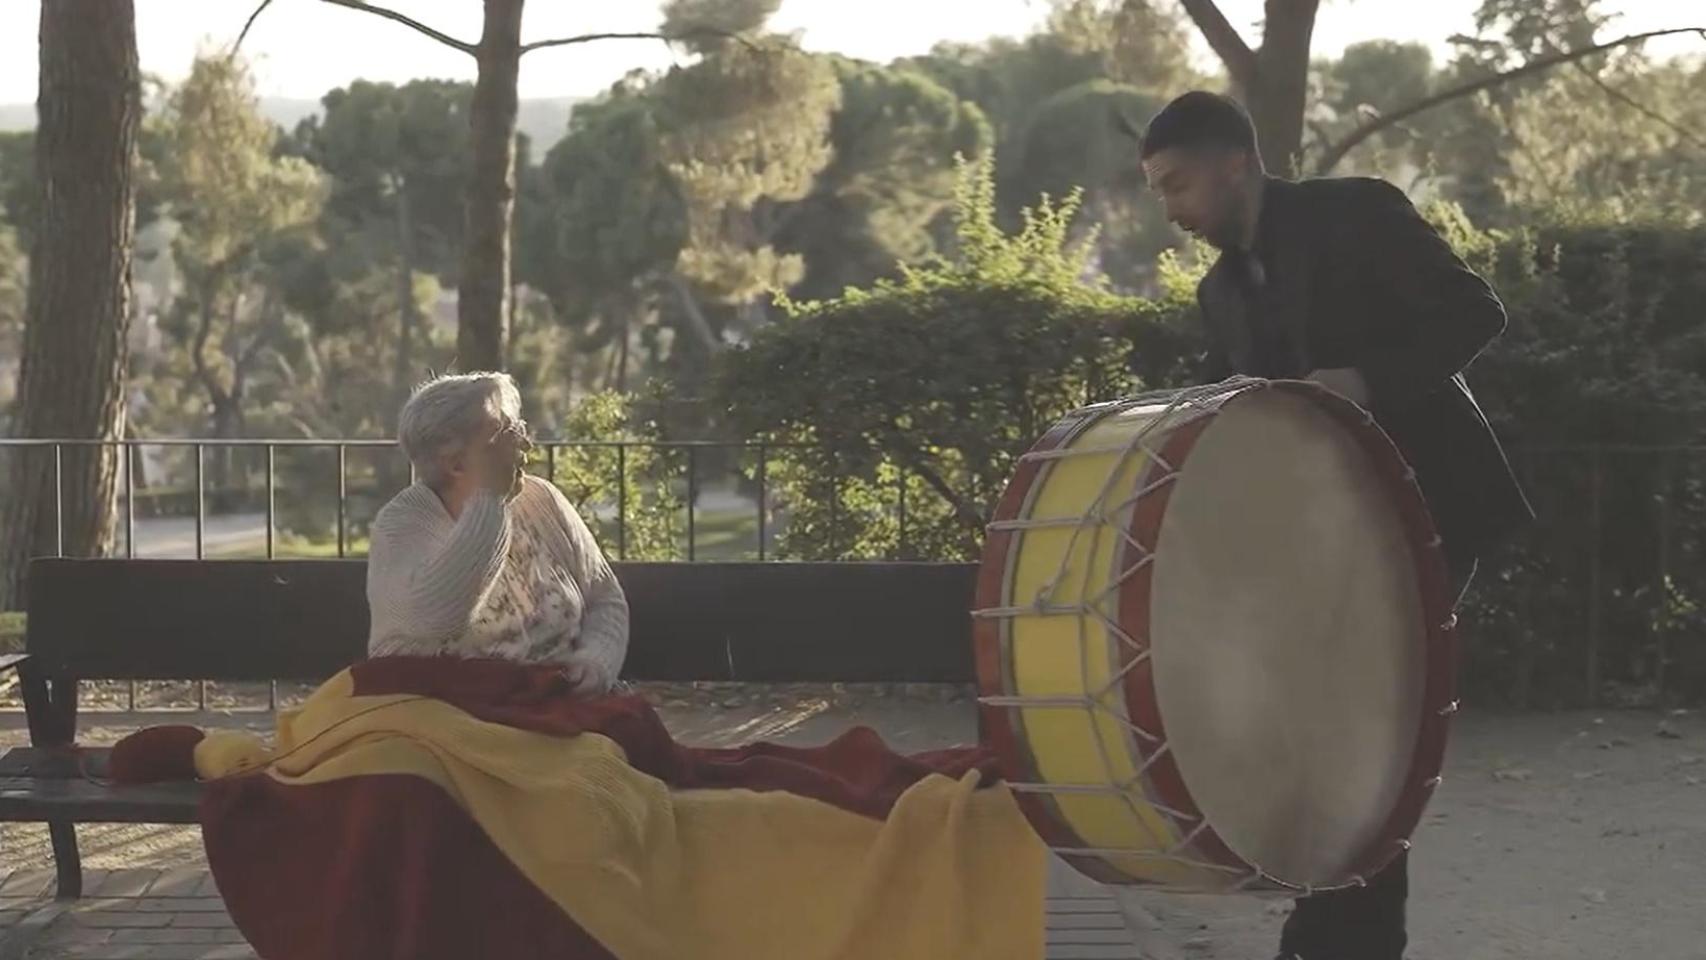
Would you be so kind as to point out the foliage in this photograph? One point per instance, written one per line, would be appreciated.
(1070, 145)
(14, 271)
(1139, 43)
(938, 380)
(705, 26)
(625, 493)
(17, 182)
(1605, 347)
(398, 155)
(889, 181)
(240, 211)
(748, 130)
(11, 633)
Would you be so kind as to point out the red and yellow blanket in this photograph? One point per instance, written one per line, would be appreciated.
(424, 808)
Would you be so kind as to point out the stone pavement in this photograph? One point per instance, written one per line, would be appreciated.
(137, 914)
(176, 914)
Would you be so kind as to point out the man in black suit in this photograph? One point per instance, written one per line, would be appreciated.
(1342, 282)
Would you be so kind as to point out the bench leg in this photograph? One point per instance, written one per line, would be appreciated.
(67, 861)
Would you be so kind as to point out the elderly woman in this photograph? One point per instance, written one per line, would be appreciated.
(479, 559)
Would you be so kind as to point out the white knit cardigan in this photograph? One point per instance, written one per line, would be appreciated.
(522, 579)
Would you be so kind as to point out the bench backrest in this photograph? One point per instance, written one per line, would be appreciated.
(247, 620)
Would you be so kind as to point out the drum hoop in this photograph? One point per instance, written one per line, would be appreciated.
(993, 652)
(1438, 695)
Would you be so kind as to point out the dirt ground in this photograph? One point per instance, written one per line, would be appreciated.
(1560, 836)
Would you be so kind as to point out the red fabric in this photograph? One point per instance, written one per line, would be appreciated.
(155, 754)
(388, 867)
(374, 868)
(856, 771)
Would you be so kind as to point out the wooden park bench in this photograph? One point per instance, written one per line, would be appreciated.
(304, 620)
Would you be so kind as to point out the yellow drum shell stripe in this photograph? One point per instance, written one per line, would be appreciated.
(1073, 654)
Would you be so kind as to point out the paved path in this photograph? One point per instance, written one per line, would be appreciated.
(1570, 836)
(171, 914)
(176, 914)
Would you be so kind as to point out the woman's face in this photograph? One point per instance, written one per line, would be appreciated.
(498, 446)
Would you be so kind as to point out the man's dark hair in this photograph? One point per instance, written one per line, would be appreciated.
(1200, 119)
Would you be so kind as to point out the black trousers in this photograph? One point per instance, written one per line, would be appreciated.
(1363, 923)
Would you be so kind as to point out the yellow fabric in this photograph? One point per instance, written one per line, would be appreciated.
(656, 874)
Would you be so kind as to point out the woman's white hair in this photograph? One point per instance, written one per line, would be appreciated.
(443, 413)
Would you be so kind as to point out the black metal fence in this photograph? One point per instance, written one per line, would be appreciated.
(355, 493)
(1601, 600)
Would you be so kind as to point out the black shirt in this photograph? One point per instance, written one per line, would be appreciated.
(1273, 352)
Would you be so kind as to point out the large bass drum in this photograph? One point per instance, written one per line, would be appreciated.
(1214, 641)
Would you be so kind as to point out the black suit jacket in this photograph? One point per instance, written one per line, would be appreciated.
(1355, 277)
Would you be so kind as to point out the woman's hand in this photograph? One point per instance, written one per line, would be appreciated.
(587, 676)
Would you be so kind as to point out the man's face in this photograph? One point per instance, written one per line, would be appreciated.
(1201, 191)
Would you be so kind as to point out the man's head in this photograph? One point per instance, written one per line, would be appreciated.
(1199, 155)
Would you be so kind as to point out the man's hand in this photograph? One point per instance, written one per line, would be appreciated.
(1347, 382)
(587, 676)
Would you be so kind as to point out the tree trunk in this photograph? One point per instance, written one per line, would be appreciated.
(481, 300)
(71, 382)
(1278, 97)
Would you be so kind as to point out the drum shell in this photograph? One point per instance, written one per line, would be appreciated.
(1191, 854)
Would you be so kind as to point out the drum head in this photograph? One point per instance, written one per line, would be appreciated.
(1287, 637)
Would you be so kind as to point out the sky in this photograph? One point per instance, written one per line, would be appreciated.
(303, 48)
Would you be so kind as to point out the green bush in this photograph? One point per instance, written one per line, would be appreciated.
(1606, 349)
(926, 389)
(628, 495)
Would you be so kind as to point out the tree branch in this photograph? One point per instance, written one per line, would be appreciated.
(665, 37)
(1641, 108)
(247, 25)
(1337, 151)
(416, 25)
(1224, 40)
(906, 452)
(965, 512)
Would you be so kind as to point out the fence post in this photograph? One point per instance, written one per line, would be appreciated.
(622, 500)
(692, 495)
(1596, 608)
(200, 502)
(763, 498)
(272, 510)
(900, 504)
(58, 501)
(343, 501)
(1661, 640)
(129, 498)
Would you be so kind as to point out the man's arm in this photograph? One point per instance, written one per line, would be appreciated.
(1440, 314)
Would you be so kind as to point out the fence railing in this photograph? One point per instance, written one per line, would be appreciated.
(1530, 462)
(1606, 590)
(164, 497)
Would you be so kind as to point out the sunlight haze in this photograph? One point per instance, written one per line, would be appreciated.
(303, 48)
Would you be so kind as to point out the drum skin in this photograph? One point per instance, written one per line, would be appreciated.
(1214, 641)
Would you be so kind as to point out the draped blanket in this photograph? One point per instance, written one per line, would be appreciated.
(430, 808)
